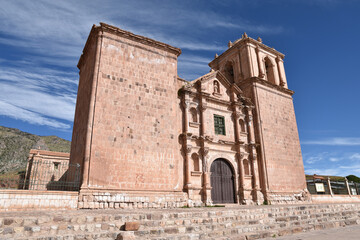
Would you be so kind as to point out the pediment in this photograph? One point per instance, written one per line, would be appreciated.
(216, 84)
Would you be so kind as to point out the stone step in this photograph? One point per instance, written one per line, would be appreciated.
(76, 236)
(158, 218)
(204, 226)
(224, 223)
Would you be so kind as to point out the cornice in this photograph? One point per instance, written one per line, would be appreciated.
(92, 35)
(48, 153)
(129, 35)
(266, 83)
(139, 38)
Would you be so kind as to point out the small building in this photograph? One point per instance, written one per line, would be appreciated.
(49, 170)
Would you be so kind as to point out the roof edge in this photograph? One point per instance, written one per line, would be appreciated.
(139, 38)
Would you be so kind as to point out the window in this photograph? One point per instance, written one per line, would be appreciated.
(242, 125)
(219, 123)
(56, 165)
(246, 167)
(193, 113)
(229, 72)
(195, 159)
(269, 68)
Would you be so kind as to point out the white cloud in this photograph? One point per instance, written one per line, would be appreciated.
(53, 34)
(355, 156)
(314, 159)
(42, 91)
(324, 171)
(334, 159)
(9, 110)
(48, 104)
(345, 141)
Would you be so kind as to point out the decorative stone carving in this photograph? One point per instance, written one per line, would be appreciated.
(239, 156)
(205, 151)
(244, 36)
(208, 138)
(230, 44)
(236, 115)
(188, 149)
(259, 39)
(186, 104)
(203, 107)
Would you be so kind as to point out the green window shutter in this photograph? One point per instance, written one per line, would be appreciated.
(219, 124)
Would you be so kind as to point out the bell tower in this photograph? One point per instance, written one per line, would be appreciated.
(258, 70)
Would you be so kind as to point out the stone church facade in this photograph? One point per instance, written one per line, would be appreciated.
(147, 138)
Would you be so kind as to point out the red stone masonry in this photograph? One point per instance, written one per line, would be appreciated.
(128, 101)
(146, 138)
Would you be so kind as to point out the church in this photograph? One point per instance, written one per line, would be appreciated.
(145, 138)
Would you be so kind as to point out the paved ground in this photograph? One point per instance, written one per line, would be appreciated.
(342, 233)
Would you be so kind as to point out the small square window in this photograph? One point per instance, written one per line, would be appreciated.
(219, 123)
(56, 165)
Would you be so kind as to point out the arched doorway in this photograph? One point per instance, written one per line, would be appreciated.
(222, 182)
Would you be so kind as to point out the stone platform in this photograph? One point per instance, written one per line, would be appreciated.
(230, 222)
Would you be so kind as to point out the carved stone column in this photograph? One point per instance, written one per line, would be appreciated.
(239, 158)
(186, 146)
(257, 196)
(249, 119)
(186, 104)
(236, 116)
(206, 178)
(261, 71)
(281, 80)
(187, 151)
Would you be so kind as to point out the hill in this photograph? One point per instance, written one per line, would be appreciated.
(15, 146)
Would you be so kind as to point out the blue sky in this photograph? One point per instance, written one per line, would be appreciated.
(41, 42)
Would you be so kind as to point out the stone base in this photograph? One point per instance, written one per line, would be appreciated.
(229, 222)
(102, 199)
(289, 198)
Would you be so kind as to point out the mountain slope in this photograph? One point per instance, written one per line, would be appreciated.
(15, 146)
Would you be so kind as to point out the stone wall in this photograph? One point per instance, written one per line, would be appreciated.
(93, 199)
(135, 120)
(25, 200)
(45, 168)
(195, 223)
(284, 166)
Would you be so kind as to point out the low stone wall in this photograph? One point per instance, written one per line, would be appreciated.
(240, 223)
(289, 197)
(335, 198)
(25, 200)
(92, 199)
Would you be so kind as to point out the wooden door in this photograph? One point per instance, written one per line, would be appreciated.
(222, 182)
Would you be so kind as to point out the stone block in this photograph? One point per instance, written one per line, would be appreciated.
(126, 236)
(132, 226)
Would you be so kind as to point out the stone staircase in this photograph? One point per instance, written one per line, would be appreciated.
(241, 222)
